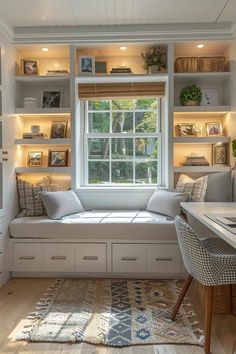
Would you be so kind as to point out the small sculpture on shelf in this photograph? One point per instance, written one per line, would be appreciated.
(190, 96)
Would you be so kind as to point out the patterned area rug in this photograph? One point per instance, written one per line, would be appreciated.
(111, 312)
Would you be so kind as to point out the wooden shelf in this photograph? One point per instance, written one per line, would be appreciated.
(213, 78)
(202, 109)
(42, 141)
(42, 111)
(200, 169)
(201, 140)
(43, 170)
(43, 79)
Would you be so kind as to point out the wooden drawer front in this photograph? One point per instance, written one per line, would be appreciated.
(129, 258)
(163, 258)
(28, 257)
(59, 257)
(91, 257)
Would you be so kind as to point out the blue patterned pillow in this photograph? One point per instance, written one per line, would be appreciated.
(219, 188)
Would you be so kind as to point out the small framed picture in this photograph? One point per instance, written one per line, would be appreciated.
(35, 158)
(220, 154)
(58, 158)
(30, 67)
(186, 129)
(214, 129)
(86, 65)
(209, 98)
(58, 130)
(51, 99)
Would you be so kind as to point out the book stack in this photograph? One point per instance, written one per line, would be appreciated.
(121, 70)
(196, 160)
(34, 135)
(57, 72)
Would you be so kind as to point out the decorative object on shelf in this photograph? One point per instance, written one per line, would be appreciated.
(100, 67)
(86, 65)
(30, 103)
(57, 72)
(30, 67)
(214, 129)
(198, 129)
(155, 60)
(58, 158)
(220, 154)
(58, 129)
(34, 135)
(209, 98)
(51, 99)
(195, 160)
(199, 64)
(121, 70)
(190, 95)
(35, 129)
(35, 158)
(186, 129)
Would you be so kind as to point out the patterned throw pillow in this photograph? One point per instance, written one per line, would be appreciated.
(219, 188)
(30, 203)
(196, 188)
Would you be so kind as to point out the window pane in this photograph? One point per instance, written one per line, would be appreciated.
(122, 122)
(146, 172)
(122, 172)
(146, 147)
(99, 122)
(122, 104)
(99, 105)
(146, 103)
(122, 148)
(98, 148)
(98, 172)
(146, 122)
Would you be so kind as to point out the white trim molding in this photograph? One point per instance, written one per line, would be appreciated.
(6, 33)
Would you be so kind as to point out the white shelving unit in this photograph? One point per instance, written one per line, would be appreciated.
(201, 140)
(27, 170)
(42, 141)
(43, 79)
(210, 77)
(201, 169)
(43, 111)
(202, 109)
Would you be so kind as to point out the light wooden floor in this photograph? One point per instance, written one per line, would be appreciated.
(18, 297)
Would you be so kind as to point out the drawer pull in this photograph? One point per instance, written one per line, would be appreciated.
(164, 259)
(129, 258)
(90, 258)
(27, 257)
(58, 258)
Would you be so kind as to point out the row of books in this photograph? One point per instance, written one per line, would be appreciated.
(122, 70)
(196, 160)
(34, 135)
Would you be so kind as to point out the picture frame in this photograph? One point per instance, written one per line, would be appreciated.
(51, 99)
(186, 129)
(35, 159)
(86, 65)
(220, 154)
(58, 158)
(30, 67)
(209, 98)
(58, 129)
(214, 129)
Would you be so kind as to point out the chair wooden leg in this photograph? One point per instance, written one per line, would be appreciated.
(208, 317)
(187, 283)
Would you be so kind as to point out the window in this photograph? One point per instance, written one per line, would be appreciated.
(122, 141)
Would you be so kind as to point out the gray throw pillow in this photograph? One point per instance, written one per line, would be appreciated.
(59, 204)
(167, 203)
(219, 188)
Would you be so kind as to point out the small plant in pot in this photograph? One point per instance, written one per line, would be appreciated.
(155, 60)
(190, 96)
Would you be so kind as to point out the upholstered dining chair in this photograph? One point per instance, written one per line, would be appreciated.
(211, 261)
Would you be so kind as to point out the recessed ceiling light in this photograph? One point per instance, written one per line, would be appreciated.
(123, 48)
(200, 45)
(45, 49)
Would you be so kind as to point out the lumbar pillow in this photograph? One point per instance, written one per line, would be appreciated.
(59, 204)
(29, 201)
(166, 203)
(197, 188)
(219, 187)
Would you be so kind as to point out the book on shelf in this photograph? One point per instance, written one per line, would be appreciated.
(196, 160)
(57, 72)
(121, 71)
(34, 135)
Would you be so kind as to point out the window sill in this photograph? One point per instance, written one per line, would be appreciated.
(118, 189)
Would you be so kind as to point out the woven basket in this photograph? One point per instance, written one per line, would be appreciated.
(199, 64)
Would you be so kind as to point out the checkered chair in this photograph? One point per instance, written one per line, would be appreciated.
(210, 261)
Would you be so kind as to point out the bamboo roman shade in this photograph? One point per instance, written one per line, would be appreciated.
(135, 89)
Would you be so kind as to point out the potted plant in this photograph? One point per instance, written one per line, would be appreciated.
(155, 60)
(190, 96)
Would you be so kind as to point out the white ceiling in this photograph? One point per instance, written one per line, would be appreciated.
(17, 13)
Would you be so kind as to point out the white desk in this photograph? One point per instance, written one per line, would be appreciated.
(198, 210)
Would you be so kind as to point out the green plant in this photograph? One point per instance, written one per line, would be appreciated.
(155, 56)
(190, 93)
(234, 147)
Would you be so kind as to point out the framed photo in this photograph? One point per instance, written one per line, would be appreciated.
(209, 98)
(30, 67)
(58, 129)
(186, 129)
(58, 158)
(87, 65)
(220, 154)
(51, 99)
(214, 129)
(35, 158)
